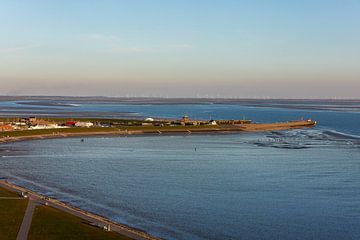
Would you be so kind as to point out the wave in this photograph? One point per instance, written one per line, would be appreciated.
(341, 135)
(307, 138)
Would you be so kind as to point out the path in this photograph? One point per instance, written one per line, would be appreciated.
(26, 223)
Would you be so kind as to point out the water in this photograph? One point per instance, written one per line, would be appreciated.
(300, 184)
(342, 120)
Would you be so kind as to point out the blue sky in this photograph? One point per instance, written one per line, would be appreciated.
(181, 48)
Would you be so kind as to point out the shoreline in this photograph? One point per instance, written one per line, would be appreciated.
(253, 127)
(123, 229)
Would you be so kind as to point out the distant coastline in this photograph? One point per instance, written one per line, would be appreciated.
(145, 130)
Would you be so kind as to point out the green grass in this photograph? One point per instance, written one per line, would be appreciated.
(6, 193)
(59, 130)
(51, 224)
(11, 215)
(167, 128)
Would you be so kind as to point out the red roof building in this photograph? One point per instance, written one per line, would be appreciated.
(70, 123)
(6, 128)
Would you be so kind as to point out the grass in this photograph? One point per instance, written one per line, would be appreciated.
(103, 129)
(6, 193)
(59, 130)
(11, 214)
(51, 224)
(166, 128)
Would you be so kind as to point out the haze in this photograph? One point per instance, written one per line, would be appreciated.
(181, 48)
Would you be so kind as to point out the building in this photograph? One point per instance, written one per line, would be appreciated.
(185, 120)
(6, 128)
(149, 119)
(70, 123)
(213, 122)
(84, 124)
(233, 122)
(29, 120)
(44, 126)
(32, 120)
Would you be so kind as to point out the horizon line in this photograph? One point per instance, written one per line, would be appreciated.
(152, 97)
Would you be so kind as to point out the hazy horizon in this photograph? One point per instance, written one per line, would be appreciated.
(39, 97)
(206, 49)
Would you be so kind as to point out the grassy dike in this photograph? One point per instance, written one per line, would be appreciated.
(47, 223)
(25, 133)
(51, 224)
(11, 214)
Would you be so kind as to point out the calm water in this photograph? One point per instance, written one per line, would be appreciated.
(301, 184)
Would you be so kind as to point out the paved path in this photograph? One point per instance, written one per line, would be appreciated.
(37, 199)
(26, 223)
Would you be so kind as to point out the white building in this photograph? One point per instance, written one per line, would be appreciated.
(84, 124)
(213, 122)
(43, 126)
(149, 119)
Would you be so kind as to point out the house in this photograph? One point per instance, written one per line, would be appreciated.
(43, 126)
(32, 120)
(29, 120)
(213, 122)
(70, 123)
(185, 119)
(84, 124)
(149, 119)
(6, 128)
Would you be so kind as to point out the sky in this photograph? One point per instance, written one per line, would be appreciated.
(181, 48)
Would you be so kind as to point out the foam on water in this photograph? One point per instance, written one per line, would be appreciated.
(307, 138)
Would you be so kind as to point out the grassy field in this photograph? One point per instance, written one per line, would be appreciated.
(166, 128)
(104, 129)
(11, 214)
(51, 131)
(6, 193)
(51, 224)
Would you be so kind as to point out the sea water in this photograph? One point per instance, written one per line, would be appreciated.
(298, 184)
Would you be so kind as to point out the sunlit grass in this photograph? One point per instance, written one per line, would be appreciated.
(11, 214)
(51, 224)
